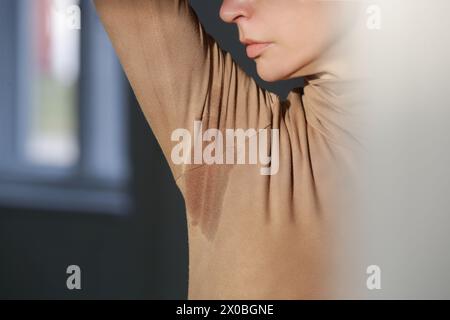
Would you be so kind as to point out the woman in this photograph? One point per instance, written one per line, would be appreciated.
(251, 235)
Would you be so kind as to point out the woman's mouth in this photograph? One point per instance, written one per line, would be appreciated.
(255, 49)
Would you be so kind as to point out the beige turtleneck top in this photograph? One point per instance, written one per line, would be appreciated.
(251, 236)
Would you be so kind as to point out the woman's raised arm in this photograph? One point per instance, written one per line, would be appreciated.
(178, 72)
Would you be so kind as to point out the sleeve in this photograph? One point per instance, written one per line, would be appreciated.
(178, 73)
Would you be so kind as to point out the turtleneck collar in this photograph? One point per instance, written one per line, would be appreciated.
(333, 107)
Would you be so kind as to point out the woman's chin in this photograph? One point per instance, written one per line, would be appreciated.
(271, 72)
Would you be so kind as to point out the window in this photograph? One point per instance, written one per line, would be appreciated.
(63, 119)
(49, 79)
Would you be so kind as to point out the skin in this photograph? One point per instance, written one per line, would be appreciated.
(308, 36)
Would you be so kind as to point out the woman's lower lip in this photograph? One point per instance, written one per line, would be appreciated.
(256, 49)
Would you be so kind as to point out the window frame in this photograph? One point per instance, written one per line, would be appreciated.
(92, 185)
